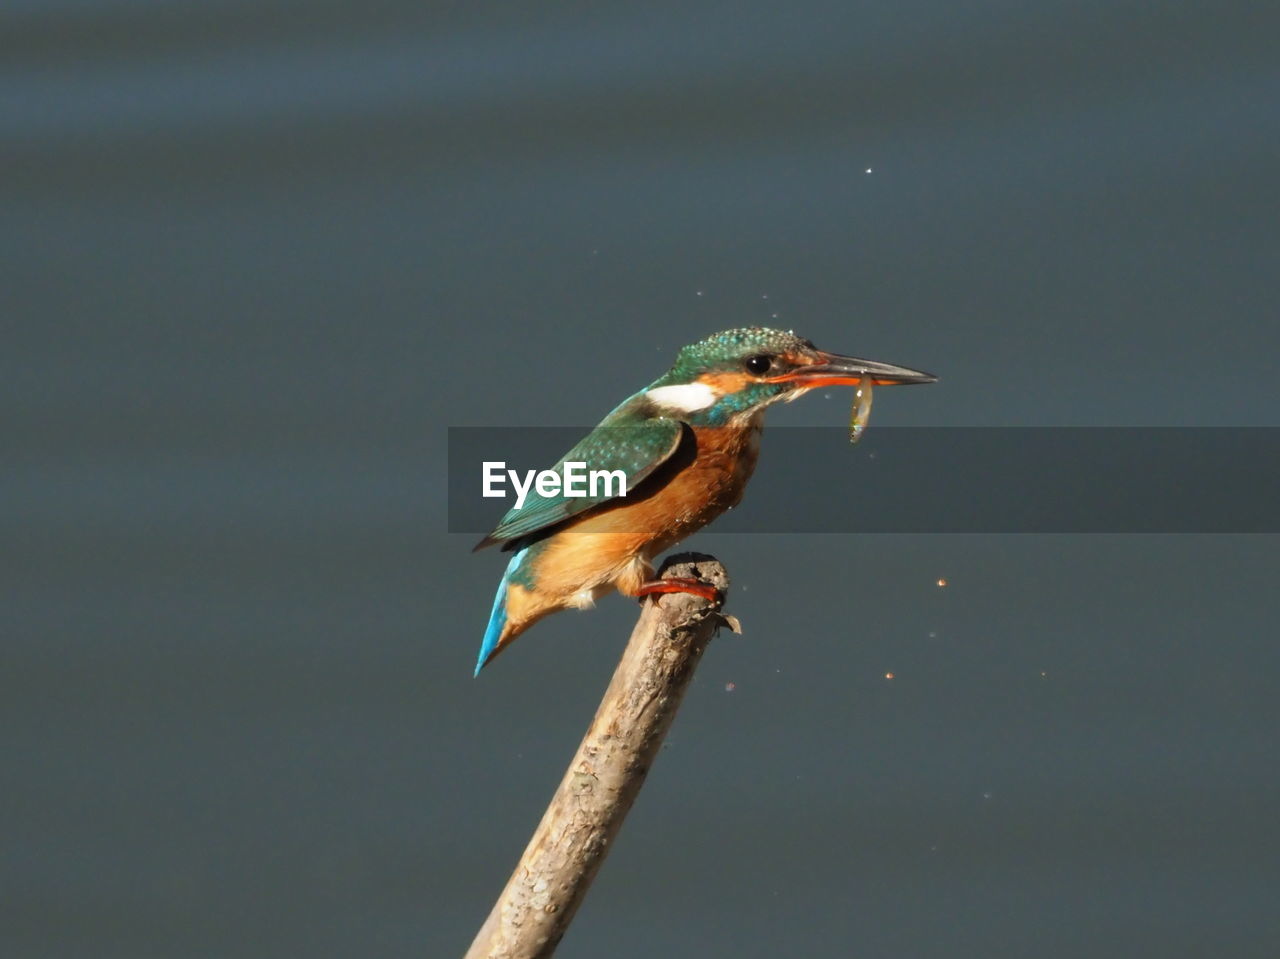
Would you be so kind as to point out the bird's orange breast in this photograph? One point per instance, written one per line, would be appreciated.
(705, 476)
(699, 491)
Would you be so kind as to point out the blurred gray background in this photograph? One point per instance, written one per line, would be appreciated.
(258, 256)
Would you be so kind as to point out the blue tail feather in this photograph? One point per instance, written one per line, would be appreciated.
(498, 617)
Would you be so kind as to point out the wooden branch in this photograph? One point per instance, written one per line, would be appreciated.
(602, 782)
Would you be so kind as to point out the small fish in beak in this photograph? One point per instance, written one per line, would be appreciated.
(861, 412)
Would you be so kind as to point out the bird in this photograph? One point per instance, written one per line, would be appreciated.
(686, 444)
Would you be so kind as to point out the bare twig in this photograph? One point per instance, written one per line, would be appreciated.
(602, 782)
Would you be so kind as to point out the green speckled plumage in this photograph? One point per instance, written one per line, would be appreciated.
(725, 350)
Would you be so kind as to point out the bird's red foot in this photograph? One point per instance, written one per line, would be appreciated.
(680, 584)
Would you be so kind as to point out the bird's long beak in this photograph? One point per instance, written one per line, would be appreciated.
(832, 369)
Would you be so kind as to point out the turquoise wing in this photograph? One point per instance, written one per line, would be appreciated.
(635, 448)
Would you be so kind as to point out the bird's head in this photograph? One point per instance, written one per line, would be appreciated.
(730, 377)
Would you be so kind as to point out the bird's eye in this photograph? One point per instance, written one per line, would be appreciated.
(759, 365)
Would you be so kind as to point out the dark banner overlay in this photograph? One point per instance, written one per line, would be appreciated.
(943, 480)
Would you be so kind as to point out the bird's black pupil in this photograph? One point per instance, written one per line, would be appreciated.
(759, 364)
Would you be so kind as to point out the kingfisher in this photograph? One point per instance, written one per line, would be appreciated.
(686, 444)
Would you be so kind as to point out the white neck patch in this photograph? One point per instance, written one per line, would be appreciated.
(684, 397)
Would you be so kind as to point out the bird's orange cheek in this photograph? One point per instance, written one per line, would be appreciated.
(726, 383)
